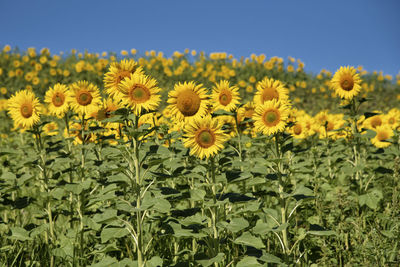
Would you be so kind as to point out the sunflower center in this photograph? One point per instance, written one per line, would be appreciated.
(58, 99)
(375, 122)
(329, 126)
(270, 94)
(271, 118)
(382, 136)
(188, 102)
(347, 84)
(205, 138)
(84, 98)
(225, 98)
(122, 75)
(139, 93)
(26, 110)
(297, 129)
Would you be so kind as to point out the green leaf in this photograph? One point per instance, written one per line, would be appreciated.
(112, 232)
(237, 224)
(162, 205)
(261, 228)
(19, 233)
(206, 263)
(281, 227)
(8, 176)
(269, 258)
(371, 199)
(106, 262)
(249, 240)
(248, 262)
(106, 216)
(155, 262)
(179, 232)
(57, 193)
(322, 233)
(197, 194)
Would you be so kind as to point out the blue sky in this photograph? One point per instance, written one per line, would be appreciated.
(323, 34)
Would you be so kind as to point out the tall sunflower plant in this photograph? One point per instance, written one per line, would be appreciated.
(138, 94)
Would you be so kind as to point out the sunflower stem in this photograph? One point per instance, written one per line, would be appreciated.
(43, 170)
(81, 196)
(214, 211)
(281, 191)
(139, 228)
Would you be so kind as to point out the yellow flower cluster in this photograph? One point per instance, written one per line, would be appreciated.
(221, 97)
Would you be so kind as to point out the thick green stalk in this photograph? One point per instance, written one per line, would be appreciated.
(214, 210)
(39, 145)
(139, 227)
(281, 192)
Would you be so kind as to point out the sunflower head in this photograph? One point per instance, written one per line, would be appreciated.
(299, 129)
(228, 124)
(24, 108)
(188, 101)
(105, 110)
(84, 97)
(224, 96)
(271, 117)
(204, 136)
(383, 133)
(56, 99)
(246, 111)
(374, 121)
(346, 82)
(51, 128)
(117, 73)
(270, 89)
(139, 92)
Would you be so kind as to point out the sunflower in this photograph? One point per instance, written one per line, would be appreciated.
(75, 131)
(246, 111)
(51, 128)
(228, 124)
(204, 137)
(104, 111)
(188, 101)
(392, 118)
(374, 121)
(271, 117)
(24, 108)
(382, 134)
(139, 92)
(327, 125)
(270, 89)
(299, 128)
(56, 99)
(225, 97)
(84, 97)
(117, 73)
(346, 82)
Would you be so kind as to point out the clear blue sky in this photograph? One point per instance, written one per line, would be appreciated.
(323, 34)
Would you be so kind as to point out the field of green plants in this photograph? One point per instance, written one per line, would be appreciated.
(196, 160)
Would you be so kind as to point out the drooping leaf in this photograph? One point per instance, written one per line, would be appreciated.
(112, 232)
(249, 240)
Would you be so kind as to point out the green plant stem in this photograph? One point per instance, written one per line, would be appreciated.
(43, 171)
(81, 196)
(139, 227)
(214, 210)
(281, 192)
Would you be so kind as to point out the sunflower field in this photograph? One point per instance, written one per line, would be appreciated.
(196, 160)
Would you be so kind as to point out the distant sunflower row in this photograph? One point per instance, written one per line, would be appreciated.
(193, 110)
